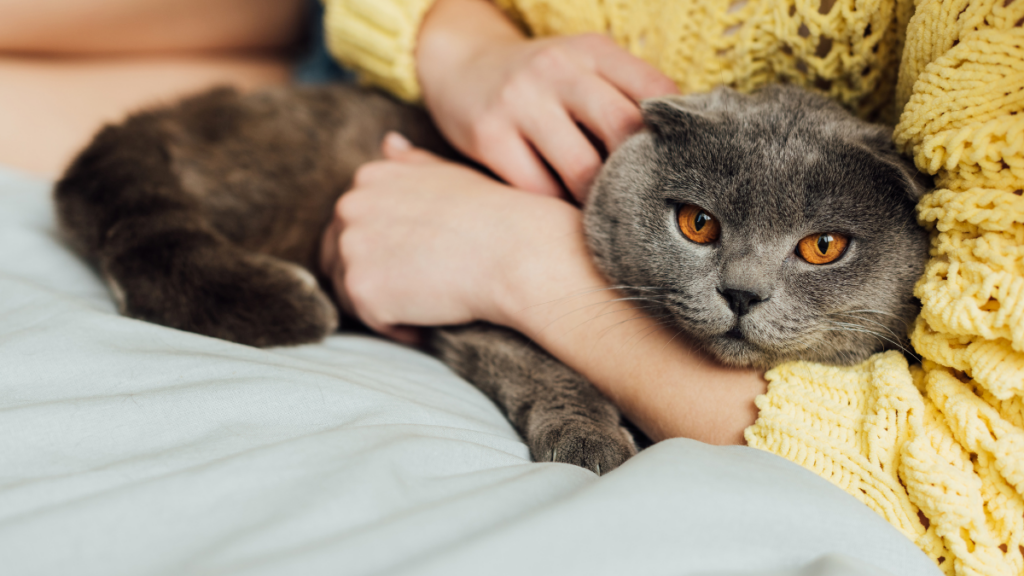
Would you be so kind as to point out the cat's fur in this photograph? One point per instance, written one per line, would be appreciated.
(206, 216)
(772, 168)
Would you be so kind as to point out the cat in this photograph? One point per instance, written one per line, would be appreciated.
(766, 227)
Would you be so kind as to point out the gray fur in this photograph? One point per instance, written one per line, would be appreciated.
(773, 168)
(204, 216)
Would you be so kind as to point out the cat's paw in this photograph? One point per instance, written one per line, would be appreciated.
(292, 308)
(227, 293)
(597, 447)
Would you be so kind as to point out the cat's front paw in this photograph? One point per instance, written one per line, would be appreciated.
(578, 440)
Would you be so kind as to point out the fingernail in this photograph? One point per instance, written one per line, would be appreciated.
(396, 142)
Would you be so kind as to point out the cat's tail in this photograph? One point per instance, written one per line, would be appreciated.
(122, 206)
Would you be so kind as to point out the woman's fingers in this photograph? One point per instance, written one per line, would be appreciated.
(587, 80)
(606, 112)
(499, 106)
(511, 158)
(515, 161)
(407, 335)
(397, 147)
(331, 263)
(558, 139)
(633, 76)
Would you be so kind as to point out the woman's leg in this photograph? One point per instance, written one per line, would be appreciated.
(50, 107)
(67, 66)
(134, 26)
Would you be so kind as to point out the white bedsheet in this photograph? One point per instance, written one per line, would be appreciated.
(133, 449)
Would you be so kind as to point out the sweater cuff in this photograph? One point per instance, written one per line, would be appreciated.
(377, 38)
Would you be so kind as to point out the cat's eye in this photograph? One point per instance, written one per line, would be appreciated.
(697, 224)
(822, 248)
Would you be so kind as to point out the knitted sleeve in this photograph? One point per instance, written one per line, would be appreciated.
(377, 38)
(939, 451)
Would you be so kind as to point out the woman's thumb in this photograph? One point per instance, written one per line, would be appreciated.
(397, 147)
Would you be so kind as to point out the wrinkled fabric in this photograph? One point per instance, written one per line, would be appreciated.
(133, 449)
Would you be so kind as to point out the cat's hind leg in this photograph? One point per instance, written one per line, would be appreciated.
(192, 280)
(122, 206)
(562, 417)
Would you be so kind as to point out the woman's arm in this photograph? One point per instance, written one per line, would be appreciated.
(420, 241)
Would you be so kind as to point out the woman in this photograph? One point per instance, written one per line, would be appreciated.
(936, 451)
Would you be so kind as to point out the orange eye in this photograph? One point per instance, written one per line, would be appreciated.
(822, 248)
(698, 225)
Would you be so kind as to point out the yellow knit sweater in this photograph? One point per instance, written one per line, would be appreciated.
(937, 450)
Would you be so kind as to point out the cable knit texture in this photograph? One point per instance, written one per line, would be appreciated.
(937, 450)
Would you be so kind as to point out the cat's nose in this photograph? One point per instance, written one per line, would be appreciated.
(740, 301)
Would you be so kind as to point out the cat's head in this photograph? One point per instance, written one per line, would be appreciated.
(768, 227)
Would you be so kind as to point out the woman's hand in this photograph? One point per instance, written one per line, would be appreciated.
(514, 104)
(428, 242)
(422, 241)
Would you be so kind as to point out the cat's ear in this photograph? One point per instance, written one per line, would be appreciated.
(918, 183)
(879, 140)
(669, 116)
(914, 183)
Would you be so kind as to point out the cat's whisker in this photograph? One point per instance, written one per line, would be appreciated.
(637, 317)
(882, 312)
(879, 312)
(631, 287)
(876, 336)
(659, 322)
(652, 329)
(589, 291)
(626, 299)
(879, 324)
(860, 313)
(605, 330)
(602, 302)
(848, 327)
(578, 294)
(674, 336)
(863, 327)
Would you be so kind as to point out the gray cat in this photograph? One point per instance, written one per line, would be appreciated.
(767, 227)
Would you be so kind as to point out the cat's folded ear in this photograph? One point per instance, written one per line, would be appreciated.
(918, 183)
(879, 140)
(915, 183)
(675, 116)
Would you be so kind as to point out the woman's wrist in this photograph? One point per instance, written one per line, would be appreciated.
(453, 33)
(549, 262)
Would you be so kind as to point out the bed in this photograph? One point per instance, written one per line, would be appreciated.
(128, 448)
